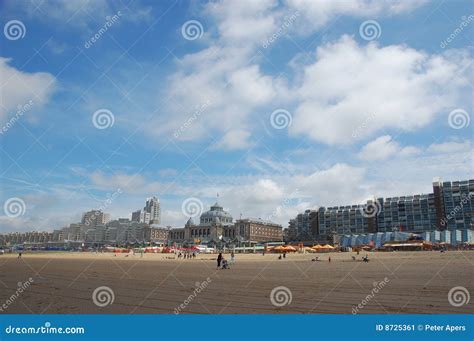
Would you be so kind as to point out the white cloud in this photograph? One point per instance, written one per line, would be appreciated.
(384, 147)
(80, 13)
(321, 12)
(19, 88)
(234, 140)
(245, 21)
(401, 87)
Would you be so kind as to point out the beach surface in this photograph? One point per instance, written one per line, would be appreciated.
(393, 283)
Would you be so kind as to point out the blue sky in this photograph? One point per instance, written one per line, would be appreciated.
(278, 106)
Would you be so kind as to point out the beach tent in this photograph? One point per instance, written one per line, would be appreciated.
(328, 247)
(279, 248)
(316, 247)
(289, 248)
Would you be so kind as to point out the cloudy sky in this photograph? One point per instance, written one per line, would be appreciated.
(278, 106)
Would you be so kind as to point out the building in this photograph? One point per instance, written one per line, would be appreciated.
(458, 205)
(17, 238)
(150, 214)
(152, 206)
(448, 207)
(414, 213)
(159, 235)
(141, 216)
(216, 226)
(94, 217)
(257, 230)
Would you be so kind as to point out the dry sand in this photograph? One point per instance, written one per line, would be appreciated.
(417, 282)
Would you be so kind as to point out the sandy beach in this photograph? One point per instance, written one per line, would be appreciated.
(406, 282)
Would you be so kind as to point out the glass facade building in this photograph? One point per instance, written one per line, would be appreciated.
(449, 207)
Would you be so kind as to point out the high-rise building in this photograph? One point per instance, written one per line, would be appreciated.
(94, 217)
(150, 214)
(449, 207)
(458, 205)
(152, 206)
(413, 213)
(141, 216)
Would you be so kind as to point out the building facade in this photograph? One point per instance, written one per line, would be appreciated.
(94, 217)
(150, 214)
(449, 207)
(216, 226)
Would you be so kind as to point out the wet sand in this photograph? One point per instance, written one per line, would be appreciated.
(63, 283)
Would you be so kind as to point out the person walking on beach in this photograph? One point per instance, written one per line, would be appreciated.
(219, 260)
(232, 258)
(329, 259)
(19, 254)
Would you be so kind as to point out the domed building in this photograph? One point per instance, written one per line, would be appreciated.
(216, 226)
(216, 215)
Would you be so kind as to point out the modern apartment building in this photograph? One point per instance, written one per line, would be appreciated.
(450, 206)
(150, 214)
(94, 217)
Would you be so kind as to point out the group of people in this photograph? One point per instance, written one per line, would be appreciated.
(222, 263)
(187, 255)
